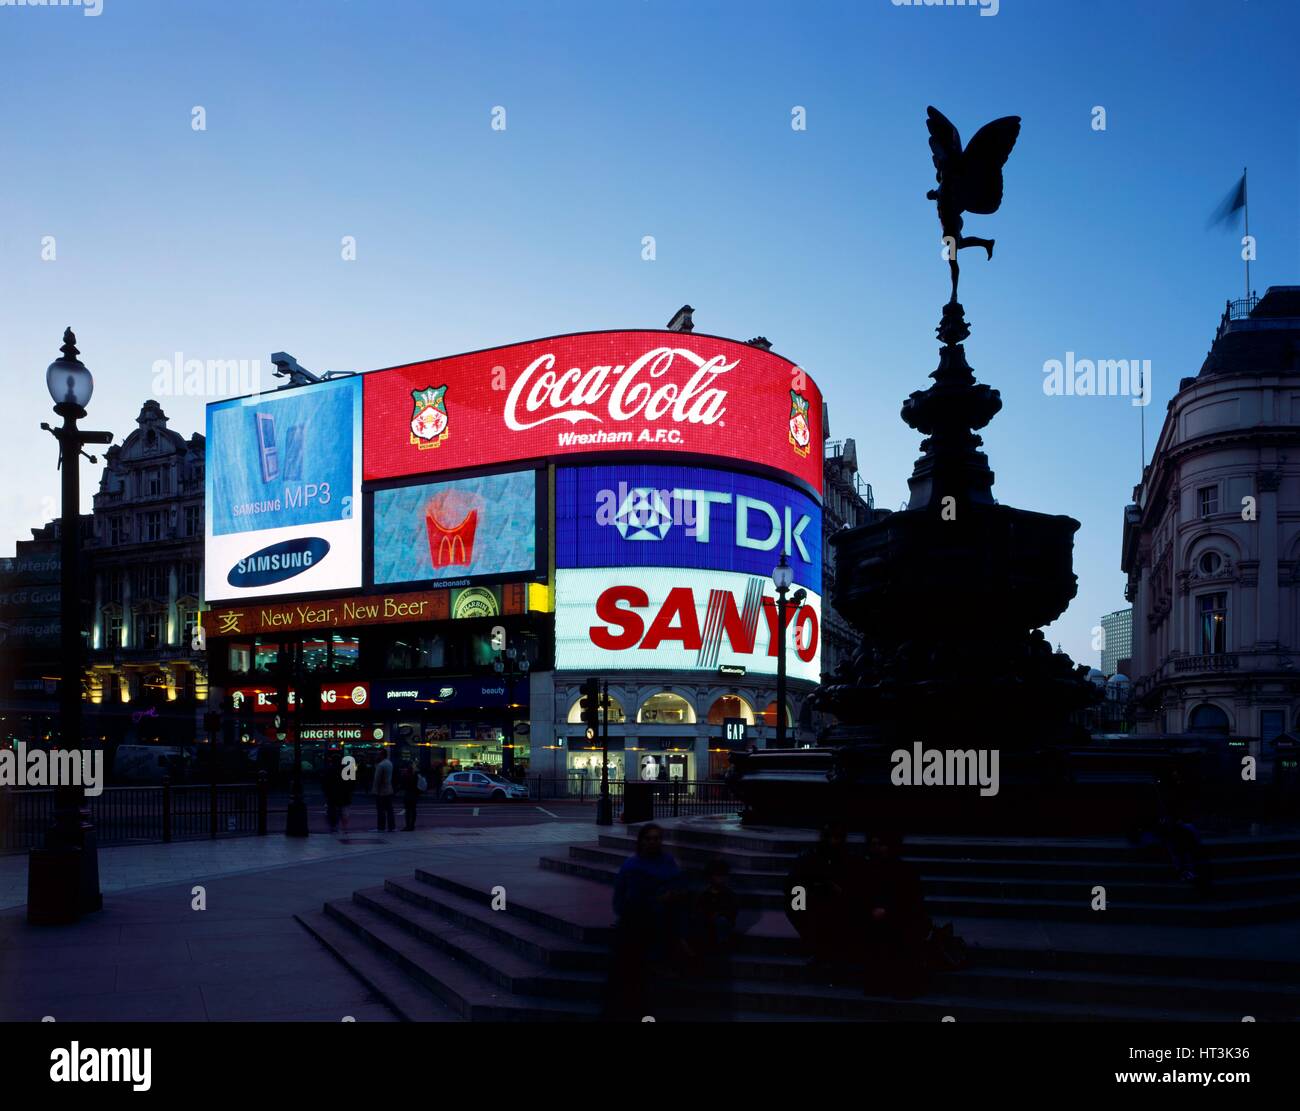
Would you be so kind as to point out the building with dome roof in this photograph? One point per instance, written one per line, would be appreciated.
(1211, 540)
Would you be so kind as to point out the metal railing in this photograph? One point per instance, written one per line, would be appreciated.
(140, 815)
(1226, 661)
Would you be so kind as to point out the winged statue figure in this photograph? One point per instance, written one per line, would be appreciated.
(969, 180)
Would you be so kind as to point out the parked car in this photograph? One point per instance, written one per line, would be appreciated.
(481, 785)
(149, 763)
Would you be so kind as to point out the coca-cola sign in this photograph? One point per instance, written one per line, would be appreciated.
(593, 393)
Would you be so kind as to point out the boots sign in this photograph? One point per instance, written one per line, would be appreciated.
(662, 619)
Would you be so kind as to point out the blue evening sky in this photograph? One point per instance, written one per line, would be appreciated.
(628, 118)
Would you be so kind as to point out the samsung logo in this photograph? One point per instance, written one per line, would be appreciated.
(278, 562)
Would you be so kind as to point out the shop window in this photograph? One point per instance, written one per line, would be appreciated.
(315, 655)
(345, 654)
(769, 715)
(415, 653)
(266, 656)
(666, 708)
(240, 659)
(617, 715)
(731, 706)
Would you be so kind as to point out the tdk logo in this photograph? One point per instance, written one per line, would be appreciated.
(643, 513)
(278, 562)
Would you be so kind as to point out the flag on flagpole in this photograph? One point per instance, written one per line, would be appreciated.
(1233, 203)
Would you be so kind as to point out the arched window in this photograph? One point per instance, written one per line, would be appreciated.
(769, 715)
(1208, 718)
(666, 708)
(731, 706)
(616, 713)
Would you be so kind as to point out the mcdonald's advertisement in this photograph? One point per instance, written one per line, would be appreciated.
(456, 531)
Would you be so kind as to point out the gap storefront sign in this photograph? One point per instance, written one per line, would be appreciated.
(283, 492)
(661, 619)
(673, 516)
(595, 393)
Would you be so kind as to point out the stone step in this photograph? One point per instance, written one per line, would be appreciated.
(977, 992)
(767, 934)
(396, 990)
(471, 995)
(1138, 863)
(587, 920)
(1139, 907)
(773, 841)
(538, 944)
(502, 964)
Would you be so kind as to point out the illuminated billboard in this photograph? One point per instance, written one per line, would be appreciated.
(595, 392)
(647, 515)
(460, 529)
(283, 492)
(662, 619)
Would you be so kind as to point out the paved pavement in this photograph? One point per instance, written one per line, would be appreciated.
(150, 956)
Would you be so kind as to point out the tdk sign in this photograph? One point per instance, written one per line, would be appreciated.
(278, 562)
(673, 516)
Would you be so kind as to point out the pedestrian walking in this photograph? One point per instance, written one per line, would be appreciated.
(382, 788)
(410, 784)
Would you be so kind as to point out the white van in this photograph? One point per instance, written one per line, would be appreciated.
(148, 763)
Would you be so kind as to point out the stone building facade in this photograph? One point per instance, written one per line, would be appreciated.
(145, 559)
(1211, 541)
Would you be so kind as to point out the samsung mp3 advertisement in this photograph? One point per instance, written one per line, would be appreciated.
(283, 492)
(649, 515)
(669, 619)
(456, 530)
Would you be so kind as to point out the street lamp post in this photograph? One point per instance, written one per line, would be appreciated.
(63, 878)
(295, 818)
(782, 579)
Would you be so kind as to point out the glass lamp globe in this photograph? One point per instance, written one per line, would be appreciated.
(68, 381)
(783, 574)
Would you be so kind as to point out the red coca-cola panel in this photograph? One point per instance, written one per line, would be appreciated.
(595, 393)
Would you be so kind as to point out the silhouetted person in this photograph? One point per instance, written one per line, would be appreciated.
(714, 911)
(649, 900)
(896, 921)
(382, 787)
(332, 785)
(826, 881)
(410, 785)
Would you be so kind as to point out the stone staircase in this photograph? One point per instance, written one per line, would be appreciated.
(431, 946)
(1255, 879)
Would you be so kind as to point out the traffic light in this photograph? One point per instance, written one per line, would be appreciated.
(591, 706)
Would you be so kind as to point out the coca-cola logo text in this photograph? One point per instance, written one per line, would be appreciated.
(624, 390)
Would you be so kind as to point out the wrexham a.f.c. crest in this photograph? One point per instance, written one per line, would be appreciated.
(800, 429)
(429, 420)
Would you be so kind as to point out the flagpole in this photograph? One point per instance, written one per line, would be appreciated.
(1245, 204)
